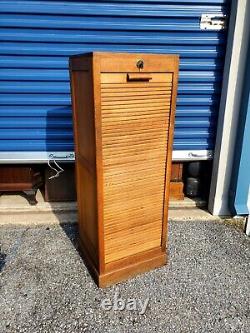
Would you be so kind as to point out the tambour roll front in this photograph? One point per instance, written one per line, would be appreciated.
(123, 111)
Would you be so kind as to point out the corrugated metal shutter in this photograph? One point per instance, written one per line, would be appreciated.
(37, 37)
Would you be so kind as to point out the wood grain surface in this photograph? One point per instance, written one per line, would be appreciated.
(123, 129)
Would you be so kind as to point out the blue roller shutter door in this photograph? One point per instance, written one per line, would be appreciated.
(37, 37)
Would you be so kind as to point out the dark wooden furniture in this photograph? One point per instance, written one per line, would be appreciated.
(176, 183)
(123, 108)
(62, 188)
(21, 178)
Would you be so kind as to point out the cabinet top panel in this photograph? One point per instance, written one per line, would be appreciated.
(133, 62)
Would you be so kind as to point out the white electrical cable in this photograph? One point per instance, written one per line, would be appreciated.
(57, 170)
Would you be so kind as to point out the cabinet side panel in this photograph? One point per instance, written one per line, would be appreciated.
(84, 135)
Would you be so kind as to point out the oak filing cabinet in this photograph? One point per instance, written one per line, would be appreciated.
(123, 112)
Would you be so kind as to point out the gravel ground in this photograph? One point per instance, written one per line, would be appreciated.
(204, 288)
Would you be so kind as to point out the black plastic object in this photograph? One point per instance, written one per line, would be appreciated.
(193, 187)
(194, 169)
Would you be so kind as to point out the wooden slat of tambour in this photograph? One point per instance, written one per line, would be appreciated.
(117, 174)
(124, 132)
(113, 226)
(113, 175)
(140, 85)
(134, 93)
(147, 106)
(132, 117)
(131, 232)
(134, 204)
(136, 105)
(126, 181)
(114, 144)
(142, 216)
(137, 239)
(137, 141)
(132, 237)
(139, 212)
(145, 98)
(145, 95)
(136, 152)
(150, 146)
(134, 126)
(140, 202)
(151, 184)
(130, 217)
(121, 152)
(141, 132)
(112, 182)
(132, 107)
(122, 77)
(113, 239)
(143, 220)
(119, 160)
(133, 132)
(153, 114)
(136, 99)
(134, 201)
(153, 190)
(121, 211)
(147, 119)
(140, 122)
(114, 169)
(126, 127)
(109, 141)
(132, 174)
(136, 85)
(133, 112)
(151, 109)
(124, 135)
(131, 251)
(132, 120)
(142, 101)
(133, 90)
(116, 112)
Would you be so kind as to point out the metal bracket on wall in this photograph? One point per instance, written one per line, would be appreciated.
(61, 156)
(213, 22)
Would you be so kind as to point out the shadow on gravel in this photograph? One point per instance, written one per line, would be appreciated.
(2, 260)
(71, 230)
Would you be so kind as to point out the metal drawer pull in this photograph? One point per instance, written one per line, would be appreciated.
(139, 77)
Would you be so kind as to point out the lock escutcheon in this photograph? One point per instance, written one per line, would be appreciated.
(140, 64)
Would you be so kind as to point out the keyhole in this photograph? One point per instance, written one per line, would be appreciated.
(140, 64)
